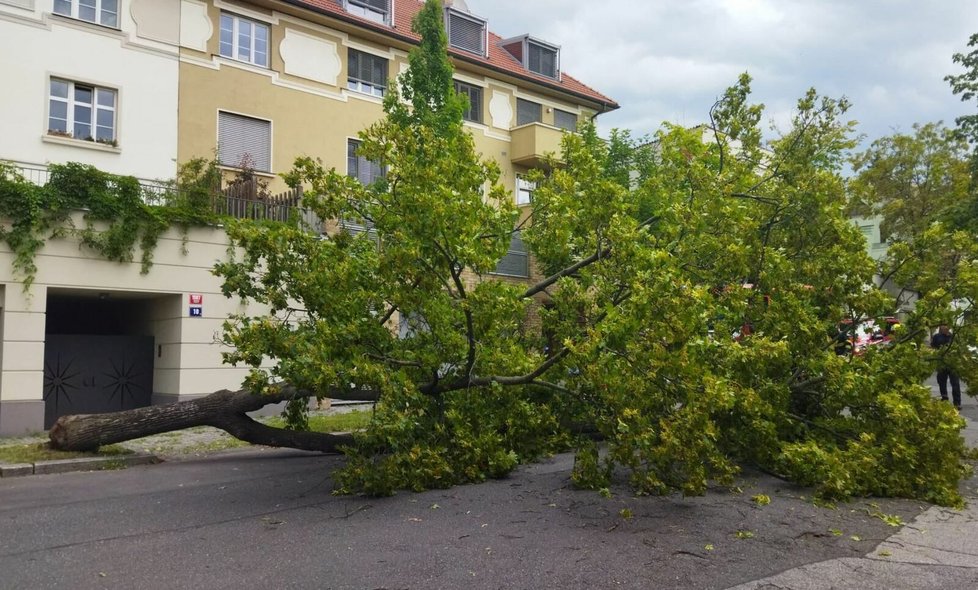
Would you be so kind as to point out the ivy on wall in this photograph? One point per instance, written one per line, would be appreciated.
(119, 212)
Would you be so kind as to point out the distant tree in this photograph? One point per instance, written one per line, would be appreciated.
(912, 180)
(966, 84)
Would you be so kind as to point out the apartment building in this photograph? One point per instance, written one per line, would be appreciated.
(138, 86)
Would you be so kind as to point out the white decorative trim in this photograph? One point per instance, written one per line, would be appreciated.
(368, 49)
(471, 80)
(310, 57)
(81, 143)
(217, 62)
(195, 20)
(252, 14)
(25, 4)
(501, 110)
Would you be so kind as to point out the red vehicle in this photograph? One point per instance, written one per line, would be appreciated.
(874, 333)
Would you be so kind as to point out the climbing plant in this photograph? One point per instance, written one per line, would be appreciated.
(119, 212)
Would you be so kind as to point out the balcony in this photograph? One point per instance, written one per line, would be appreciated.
(531, 143)
(241, 201)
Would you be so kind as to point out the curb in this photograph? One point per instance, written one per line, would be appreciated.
(82, 464)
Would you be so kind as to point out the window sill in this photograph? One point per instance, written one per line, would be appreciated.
(241, 62)
(87, 24)
(81, 143)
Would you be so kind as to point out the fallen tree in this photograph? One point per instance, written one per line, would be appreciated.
(227, 410)
(653, 260)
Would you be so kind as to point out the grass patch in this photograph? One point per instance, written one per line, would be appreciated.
(34, 452)
(345, 422)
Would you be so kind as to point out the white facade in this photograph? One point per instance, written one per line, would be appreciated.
(139, 61)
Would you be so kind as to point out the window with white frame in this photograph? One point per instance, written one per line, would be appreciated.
(375, 10)
(474, 95)
(244, 39)
(524, 191)
(366, 73)
(100, 12)
(82, 111)
(244, 142)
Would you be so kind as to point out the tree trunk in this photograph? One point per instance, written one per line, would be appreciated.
(222, 409)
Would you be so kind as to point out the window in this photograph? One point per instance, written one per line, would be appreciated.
(542, 59)
(364, 170)
(244, 142)
(466, 32)
(375, 10)
(82, 111)
(516, 263)
(367, 172)
(524, 191)
(474, 94)
(528, 112)
(366, 73)
(244, 40)
(100, 12)
(565, 120)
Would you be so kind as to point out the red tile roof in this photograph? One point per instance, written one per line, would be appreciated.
(499, 59)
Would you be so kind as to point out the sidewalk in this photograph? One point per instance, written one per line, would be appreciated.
(938, 549)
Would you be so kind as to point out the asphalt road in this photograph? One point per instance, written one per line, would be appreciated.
(267, 519)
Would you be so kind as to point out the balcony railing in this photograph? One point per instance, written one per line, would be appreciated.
(240, 201)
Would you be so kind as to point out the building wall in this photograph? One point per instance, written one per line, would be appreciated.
(304, 91)
(140, 61)
(187, 359)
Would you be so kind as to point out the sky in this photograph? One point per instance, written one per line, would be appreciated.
(669, 60)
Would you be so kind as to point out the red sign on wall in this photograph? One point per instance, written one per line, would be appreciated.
(196, 299)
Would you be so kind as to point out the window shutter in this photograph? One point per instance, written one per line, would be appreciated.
(378, 5)
(244, 140)
(565, 120)
(516, 263)
(542, 60)
(527, 112)
(466, 33)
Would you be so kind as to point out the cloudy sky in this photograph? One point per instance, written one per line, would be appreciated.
(668, 60)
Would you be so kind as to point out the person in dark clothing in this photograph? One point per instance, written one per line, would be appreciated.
(940, 340)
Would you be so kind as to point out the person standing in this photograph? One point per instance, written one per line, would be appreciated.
(940, 340)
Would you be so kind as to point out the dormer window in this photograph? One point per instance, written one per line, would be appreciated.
(375, 10)
(465, 31)
(541, 59)
(536, 56)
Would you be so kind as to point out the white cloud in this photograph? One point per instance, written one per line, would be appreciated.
(670, 59)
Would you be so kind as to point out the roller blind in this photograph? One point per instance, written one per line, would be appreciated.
(244, 141)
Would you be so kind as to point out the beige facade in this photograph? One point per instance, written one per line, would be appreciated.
(111, 298)
(303, 91)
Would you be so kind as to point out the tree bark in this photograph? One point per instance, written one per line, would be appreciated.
(222, 409)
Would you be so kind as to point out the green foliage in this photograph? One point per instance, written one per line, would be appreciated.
(966, 84)
(651, 276)
(118, 215)
(912, 180)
